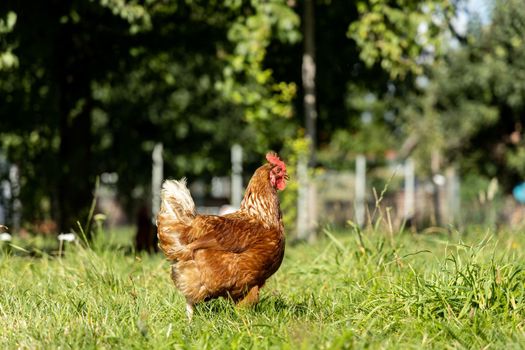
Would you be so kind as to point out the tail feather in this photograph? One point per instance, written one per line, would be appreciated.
(177, 211)
(176, 200)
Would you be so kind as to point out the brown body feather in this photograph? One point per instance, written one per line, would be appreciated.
(229, 256)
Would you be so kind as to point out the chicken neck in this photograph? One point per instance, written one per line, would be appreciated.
(261, 201)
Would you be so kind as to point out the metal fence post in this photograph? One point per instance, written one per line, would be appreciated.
(302, 199)
(410, 190)
(236, 179)
(360, 189)
(156, 179)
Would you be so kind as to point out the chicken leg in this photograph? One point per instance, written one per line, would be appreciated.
(251, 298)
(189, 310)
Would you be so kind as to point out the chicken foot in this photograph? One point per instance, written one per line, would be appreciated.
(251, 298)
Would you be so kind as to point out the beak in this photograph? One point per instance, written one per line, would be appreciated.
(286, 177)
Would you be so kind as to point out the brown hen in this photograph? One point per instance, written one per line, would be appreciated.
(224, 256)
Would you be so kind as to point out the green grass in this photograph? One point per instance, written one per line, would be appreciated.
(405, 292)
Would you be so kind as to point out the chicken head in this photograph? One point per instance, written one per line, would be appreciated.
(278, 175)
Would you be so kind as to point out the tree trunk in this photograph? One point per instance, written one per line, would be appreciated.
(75, 105)
(308, 77)
(306, 199)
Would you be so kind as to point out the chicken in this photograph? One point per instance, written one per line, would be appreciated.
(224, 256)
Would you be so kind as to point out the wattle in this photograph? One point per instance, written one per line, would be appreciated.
(281, 184)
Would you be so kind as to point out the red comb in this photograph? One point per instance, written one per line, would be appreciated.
(273, 158)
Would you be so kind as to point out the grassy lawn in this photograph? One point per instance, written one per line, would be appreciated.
(406, 292)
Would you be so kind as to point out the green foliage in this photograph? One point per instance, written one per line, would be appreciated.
(342, 292)
(246, 81)
(398, 34)
(370, 133)
(199, 76)
(136, 14)
(7, 59)
(471, 109)
(190, 74)
(396, 40)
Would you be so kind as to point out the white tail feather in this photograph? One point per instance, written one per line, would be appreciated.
(177, 201)
(177, 207)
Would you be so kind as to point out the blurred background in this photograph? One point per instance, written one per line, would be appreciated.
(413, 107)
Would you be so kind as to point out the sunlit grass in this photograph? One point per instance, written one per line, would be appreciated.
(405, 291)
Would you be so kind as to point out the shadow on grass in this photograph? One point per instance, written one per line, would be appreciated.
(271, 305)
(277, 304)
